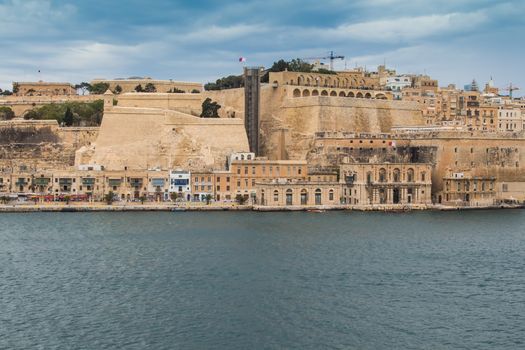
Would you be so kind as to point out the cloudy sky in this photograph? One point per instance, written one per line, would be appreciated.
(451, 40)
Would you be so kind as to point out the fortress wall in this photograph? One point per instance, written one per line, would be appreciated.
(40, 144)
(22, 104)
(231, 101)
(186, 103)
(294, 121)
(140, 138)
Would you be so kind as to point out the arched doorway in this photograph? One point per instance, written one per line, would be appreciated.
(318, 197)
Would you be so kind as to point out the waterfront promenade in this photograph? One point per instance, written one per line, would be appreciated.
(198, 206)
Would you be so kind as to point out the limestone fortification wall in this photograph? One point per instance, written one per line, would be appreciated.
(231, 101)
(21, 104)
(184, 102)
(40, 144)
(141, 138)
(288, 125)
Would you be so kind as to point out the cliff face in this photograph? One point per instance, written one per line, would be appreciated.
(42, 144)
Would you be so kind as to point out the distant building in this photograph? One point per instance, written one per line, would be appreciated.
(42, 88)
(130, 85)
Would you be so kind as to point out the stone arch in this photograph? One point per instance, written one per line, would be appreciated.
(396, 175)
(307, 81)
(318, 196)
(315, 92)
(297, 93)
(342, 94)
(333, 93)
(382, 175)
(300, 80)
(324, 93)
(359, 95)
(350, 94)
(368, 95)
(410, 175)
(326, 82)
(345, 83)
(304, 196)
(291, 81)
(380, 96)
(306, 93)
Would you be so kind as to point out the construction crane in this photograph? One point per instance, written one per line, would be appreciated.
(510, 89)
(332, 57)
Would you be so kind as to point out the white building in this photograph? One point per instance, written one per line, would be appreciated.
(398, 83)
(180, 183)
(510, 119)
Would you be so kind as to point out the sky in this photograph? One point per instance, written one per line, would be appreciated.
(453, 41)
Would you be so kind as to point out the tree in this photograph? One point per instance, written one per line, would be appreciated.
(6, 113)
(295, 65)
(98, 88)
(208, 197)
(150, 88)
(118, 89)
(6, 93)
(85, 113)
(176, 90)
(229, 82)
(67, 199)
(109, 198)
(139, 88)
(240, 199)
(174, 196)
(16, 87)
(210, 109)
(142, 199)
(68, 117)
(83, 87)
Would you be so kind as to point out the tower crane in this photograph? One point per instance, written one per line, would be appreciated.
(332, 57)
(510, 89)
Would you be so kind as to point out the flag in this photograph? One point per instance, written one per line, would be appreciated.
(242, 59)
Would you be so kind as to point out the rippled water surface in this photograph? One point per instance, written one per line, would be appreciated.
(335, 280)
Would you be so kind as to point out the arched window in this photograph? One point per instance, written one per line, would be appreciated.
(382, 175)
(342, 94)
(297, 93)
(318, 196)
(368, 95)
(242, 156)
(331, 195)
(369, 177)
(304, 197)
(359, 95)
(351, 94)
(315, 93)
(333, 93)
(396, 175)
(262, 197)
(289, 197)
(324, 93)
(276, 196)
(306, 92)
(423, 176)
(410, 175)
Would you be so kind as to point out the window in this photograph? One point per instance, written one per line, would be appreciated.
(245, 170)
(253, 170)
(331, 195)
(289, 197)
(410, 175)
(275, 196)
(423, 176)
(318, 196)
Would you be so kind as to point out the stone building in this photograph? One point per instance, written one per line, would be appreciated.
(465, 189)
(289, 193)
(386, 183)
(246, 173)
